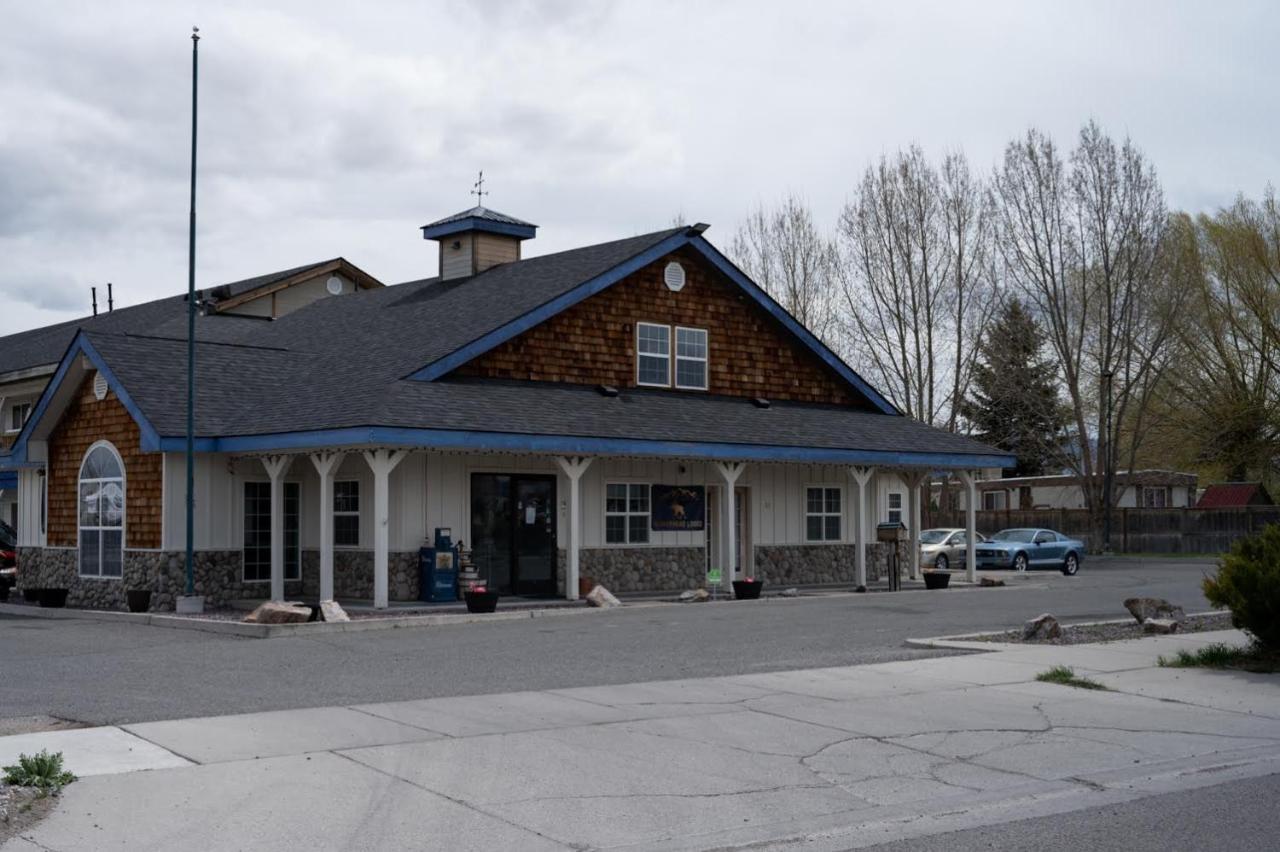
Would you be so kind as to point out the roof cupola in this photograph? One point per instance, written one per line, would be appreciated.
(477, 239)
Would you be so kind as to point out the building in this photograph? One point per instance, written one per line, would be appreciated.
(1234, 495)
(1139, 489)
(636, 411)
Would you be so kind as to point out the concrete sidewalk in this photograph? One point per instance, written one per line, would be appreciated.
(815, 759)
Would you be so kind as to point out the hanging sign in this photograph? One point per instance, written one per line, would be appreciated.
(677, 508)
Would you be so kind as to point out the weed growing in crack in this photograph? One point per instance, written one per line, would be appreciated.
(1222, 656)
(1066, 676)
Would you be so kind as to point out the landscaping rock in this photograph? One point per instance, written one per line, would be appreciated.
(277, 612)
(990, 582)
(603, 598)
(1145, 608)
(790, 593)
(332, 611)
(1043, 626)
(695, 596)
(1160, 625)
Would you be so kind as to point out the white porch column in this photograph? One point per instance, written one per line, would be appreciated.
(326, 465)
(381, 462)
(970, 480)
(861, 475)
(573, 468)
(914, 479)
(729, 472)
(276, 466)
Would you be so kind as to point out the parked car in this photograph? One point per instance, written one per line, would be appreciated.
(1021, 549)
(944, 547)
(8, 555)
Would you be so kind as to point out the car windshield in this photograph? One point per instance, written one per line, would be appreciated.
(1014, 535)
(934, 536)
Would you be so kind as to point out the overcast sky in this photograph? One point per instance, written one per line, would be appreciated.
(338, 128)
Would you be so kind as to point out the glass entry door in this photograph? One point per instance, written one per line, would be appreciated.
(513, 532)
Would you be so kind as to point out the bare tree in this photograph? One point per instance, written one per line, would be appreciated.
(784, 252)
(1084, 243)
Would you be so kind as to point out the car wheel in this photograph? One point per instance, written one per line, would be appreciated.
(941, 562)
(1071, 565)
(1020, 562)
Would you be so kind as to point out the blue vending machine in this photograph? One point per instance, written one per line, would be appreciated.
(438, 568)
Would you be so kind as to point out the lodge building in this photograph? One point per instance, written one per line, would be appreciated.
(638, 411)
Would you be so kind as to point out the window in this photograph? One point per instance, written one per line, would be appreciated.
(822, 514)
(691, 358)
(257, 531)
(994, 500)
(18, 415)
(626, 513)
(1045, 537)
(653, 355)
(1155, 498)
(346, 514)
(101, 513)
(895, 507)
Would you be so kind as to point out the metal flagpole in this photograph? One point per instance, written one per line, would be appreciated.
(191, 327)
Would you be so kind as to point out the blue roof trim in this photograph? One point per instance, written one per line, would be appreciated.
(588, 288)
(451, 439)
(475, 223)
(81, 345)
(8, 480)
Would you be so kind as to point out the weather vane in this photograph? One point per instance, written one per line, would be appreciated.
(478, 190)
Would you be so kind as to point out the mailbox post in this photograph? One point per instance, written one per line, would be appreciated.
(893, 532)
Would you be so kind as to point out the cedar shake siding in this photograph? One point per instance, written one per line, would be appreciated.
(750, 353)
(85, 422)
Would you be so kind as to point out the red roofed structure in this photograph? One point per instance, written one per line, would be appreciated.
(1234, 495)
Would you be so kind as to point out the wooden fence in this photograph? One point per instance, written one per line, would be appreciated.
(1132, 530)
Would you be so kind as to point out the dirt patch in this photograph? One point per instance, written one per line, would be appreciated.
(10, 725)
(20, 809)
(1076, 634)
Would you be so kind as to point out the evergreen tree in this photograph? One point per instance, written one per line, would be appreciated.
(1013, 402)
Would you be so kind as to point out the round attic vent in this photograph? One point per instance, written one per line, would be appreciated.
(334, 285)
(99, 387)
(673, 276)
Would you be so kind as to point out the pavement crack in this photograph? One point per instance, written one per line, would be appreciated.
(587, 797)
(399, 722)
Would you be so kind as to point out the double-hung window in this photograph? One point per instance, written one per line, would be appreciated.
(18, 415)
(626, 513)
(346, 513)
(691, 358)
(822, 513)
(895, 507)
(653, 355)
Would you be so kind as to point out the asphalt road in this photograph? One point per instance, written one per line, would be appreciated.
(101, 673)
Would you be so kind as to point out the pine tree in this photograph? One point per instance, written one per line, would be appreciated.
(1013, 402)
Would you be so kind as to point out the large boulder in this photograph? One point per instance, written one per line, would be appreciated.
(1043, 626)
(990, 582)
(1145, 608)
(1160, 626)
(279, 612)
(695, 596)
(332, 611)
(603, 598)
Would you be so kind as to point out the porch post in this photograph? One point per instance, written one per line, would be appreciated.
(381, 462)
(914, 479)
(969, 478)
(729, 472)
(861, 475)
(573, 468)
(276, 466)
(326, 465)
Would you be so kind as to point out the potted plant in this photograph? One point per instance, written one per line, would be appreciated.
(480, 599)
(748, 589)
(138, 600)
(585, 585)
(936, 579)
(54, 598)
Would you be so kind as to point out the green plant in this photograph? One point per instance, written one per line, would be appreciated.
(43, 771)
(1248, 584)
(1220, 656)
(1066, 676)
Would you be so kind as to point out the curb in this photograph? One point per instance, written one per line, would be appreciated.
(970, 642)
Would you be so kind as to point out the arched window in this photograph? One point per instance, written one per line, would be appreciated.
(101, 512)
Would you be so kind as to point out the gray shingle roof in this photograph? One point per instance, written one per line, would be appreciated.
(483, 213)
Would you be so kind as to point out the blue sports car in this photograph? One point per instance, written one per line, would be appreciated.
(1021, 549)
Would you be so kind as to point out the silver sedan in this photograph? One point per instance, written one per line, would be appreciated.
(942, 548)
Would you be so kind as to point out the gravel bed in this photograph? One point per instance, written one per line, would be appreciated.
(1076, 634)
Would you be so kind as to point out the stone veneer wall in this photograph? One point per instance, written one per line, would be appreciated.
(644, 569)
(353, 574)
(218, 576)
(795, 565)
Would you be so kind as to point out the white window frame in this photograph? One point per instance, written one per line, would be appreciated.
(14, 409)
(824, 514)
(705, 360)
(347, 514)
(627, 515)
(997, 495)
(667, 356)
(891, 510)
(1162, 490)
(244, 564)
(100, 529)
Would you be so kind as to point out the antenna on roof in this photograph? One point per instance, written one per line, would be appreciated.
(94, 291)
(478, 190)
(111, 303)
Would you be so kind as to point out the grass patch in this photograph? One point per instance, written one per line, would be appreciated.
(1219, 656)
(1066, 676)
(43, 771)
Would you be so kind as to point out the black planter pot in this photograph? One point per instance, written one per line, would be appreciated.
(745, 590)
(53, 598)
(4, 591)
(138, 600)
(937, 579)
(31, 595)
(482, 601)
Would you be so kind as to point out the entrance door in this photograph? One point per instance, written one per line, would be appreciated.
(513, 532)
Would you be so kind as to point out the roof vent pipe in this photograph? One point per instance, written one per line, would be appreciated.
(94, 292)
(111, 305)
